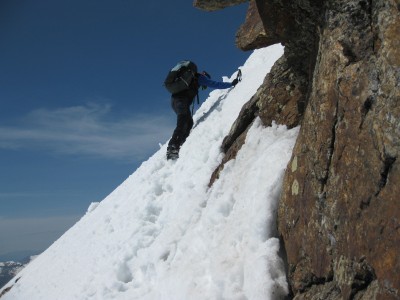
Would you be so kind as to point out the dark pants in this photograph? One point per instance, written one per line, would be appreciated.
(181, 106)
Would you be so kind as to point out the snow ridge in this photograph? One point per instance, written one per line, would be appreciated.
(163, 234)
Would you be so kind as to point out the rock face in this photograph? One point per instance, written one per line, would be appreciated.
(339, 214)
(251, 35)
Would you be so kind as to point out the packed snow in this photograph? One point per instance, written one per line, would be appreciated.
(163, 234)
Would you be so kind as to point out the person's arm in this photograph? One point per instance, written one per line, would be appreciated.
(205, 81)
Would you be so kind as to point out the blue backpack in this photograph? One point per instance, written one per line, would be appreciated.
(182, 77)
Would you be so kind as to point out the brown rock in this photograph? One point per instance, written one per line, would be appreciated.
(283, 96)
(339, 214)
(251, 35)
(295, 24)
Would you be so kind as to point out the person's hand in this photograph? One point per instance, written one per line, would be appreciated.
(234, 82)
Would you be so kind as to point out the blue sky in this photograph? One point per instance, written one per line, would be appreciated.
(82, 102)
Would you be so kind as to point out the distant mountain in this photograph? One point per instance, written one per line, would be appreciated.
(20, 256)
(8, 270)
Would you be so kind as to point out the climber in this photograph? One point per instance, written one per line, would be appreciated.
(183, 83)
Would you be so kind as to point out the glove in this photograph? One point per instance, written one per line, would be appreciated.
(234, 82)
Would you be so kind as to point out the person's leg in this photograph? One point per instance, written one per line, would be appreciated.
(184, 124)
(187, 127)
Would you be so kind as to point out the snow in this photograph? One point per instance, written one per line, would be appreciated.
(163, 234)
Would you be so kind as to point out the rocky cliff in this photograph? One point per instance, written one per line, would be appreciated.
(339, 79)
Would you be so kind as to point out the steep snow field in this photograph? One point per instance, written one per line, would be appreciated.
(163, 234)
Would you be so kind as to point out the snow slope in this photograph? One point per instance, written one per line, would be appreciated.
(162, 234)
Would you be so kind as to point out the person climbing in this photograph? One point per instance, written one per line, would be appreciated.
(183, 82)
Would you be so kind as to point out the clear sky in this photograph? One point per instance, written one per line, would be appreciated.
(82, 102)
